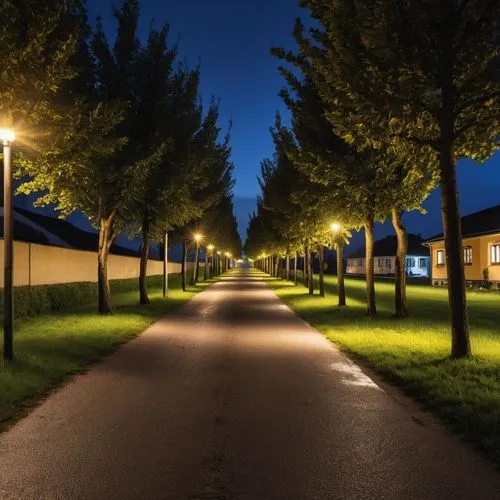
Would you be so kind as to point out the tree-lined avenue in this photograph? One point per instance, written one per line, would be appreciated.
(234, 396)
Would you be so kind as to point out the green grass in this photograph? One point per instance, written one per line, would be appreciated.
(414, 353)
(49, 348)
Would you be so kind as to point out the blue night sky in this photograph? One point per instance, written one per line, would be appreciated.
(231, 39)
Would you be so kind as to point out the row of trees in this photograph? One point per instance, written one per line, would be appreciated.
(384, 97)
(116, 130)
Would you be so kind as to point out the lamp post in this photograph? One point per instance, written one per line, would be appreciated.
(165, 264)
(210, 250)
(7, 137)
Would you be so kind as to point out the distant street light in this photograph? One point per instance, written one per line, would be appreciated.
(335, 227)
(7, 137)
(206, 273)
(197, 237)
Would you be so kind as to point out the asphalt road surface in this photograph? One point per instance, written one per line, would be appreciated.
(234, 396)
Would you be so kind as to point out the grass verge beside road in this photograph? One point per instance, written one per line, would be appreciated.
(414, 353)
(49, 348)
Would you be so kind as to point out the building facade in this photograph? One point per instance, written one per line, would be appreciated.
(481, 247)
(417, 258)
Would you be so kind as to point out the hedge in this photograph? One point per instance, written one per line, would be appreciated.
(35, 300)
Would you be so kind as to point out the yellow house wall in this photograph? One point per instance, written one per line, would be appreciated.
(45, 265)
(480, 259)
(494, 269)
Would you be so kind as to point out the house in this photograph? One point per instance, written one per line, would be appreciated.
(481, 242)
(34, 227)
(417, 258)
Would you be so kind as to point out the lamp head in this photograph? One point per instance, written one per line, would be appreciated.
(335, 227)
(198, 236)
(210, 248)
(7, 136)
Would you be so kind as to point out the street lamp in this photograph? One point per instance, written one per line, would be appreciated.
(335, 227)
(197, 237)
(7, 137)
(209, 250)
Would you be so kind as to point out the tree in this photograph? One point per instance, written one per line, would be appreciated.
(71, 161)
(422, 74)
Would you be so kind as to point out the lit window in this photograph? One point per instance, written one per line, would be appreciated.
(380, 262)
(388, 263)
(467, 255)
(410, 262)
(440, 257)
(422, 263)
(495, 253)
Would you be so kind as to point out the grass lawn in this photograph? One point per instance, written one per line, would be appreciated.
(48, 348)
(414, 353)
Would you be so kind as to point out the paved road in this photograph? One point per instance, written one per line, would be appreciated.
(234, 397)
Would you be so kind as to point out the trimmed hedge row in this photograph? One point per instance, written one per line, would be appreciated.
(35, 300)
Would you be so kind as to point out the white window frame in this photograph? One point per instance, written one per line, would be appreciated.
(468, 255)
(495, 253)
(440, 257)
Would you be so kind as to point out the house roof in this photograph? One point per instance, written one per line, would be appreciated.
(479, 223)
(72, 235)
(23, 232)
(386, 247)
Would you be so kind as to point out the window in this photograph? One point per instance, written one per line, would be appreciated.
(440, 257)
(495, 253)
(388, 263)
(422, 262)
(410, 262)
(467, 256)
(380, 262)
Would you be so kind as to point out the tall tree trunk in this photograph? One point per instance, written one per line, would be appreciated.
(295, 267)
(276, 266)
(400, 302)
(287, 274)
(183, 266)
(460, 344)
(340, 274)
(205, 270)
(370, 271)
(143, 270)
(105, 240)
(311, 271)
(321, 250)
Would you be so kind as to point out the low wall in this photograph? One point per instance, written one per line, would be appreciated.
(36, 264)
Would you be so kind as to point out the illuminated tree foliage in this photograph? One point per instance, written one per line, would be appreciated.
(416, 77)
(365, 184)
(126, 140)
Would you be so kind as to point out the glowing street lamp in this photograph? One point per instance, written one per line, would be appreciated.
(7, 137)
(197, 237)
(335, 227)
(206, 275)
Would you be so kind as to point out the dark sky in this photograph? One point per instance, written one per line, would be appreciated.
(231, 39)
